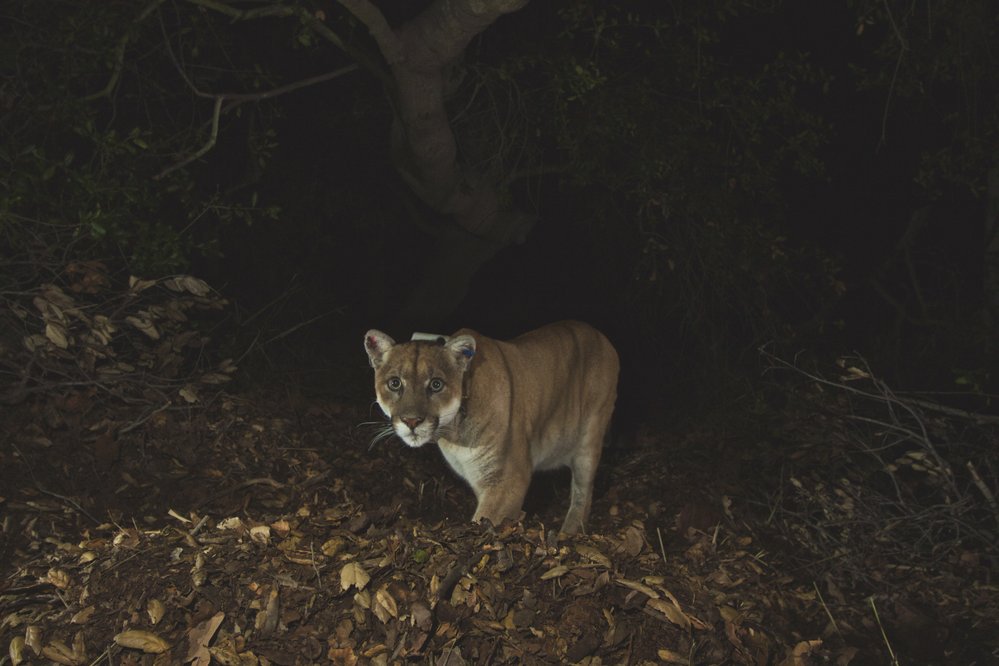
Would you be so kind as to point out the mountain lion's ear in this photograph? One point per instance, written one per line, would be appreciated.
(377, 345)
(463, 348)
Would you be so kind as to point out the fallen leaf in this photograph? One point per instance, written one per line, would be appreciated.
(146, 641)
(16, 650)
(33, 638)
(199, 637)
(353, 575)
(671, 657)
(342, 656)
(593, 555)
(155, 610)
(420, 616)
(261, 534)
(555, 572)
(632, 542)
(198, 573)
(800, 653)
(135, 285)
(82, 616)
(231, 523)
(226, 654)
(61, 653)
(145, 325)
(79, 648)
(58, 577)
(729, 614)
(189, 393)
(187, 283)
(671, 611)
(267, 619)
(384, 607)
(56, 333)
(374, 651)
(639, 587)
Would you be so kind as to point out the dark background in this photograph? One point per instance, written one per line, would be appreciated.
(729, 175)
(778, 211)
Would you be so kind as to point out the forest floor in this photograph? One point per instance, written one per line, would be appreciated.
(264, 531)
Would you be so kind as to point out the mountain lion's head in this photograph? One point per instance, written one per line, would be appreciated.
(419, 384)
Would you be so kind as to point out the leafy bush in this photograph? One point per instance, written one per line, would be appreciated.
(140, 342)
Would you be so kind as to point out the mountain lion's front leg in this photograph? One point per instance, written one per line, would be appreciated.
(503, 499)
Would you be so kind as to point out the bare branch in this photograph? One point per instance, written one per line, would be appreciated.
(266, 11)
(208, 145)
(236, 99)
(119, 53)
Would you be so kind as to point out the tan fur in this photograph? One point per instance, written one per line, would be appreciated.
(500, 410)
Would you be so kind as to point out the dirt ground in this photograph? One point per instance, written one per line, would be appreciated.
(262, 531)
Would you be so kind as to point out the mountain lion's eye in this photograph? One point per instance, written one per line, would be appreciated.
(436, 385)
(394, 384)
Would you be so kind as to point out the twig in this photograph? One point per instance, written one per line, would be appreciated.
(68, 500)
(884, 636)
(233, 100)
(315, 567)
(135, 424)
(301, 324)
(977, 417)
(197, 528)
(902, 48)
(246, 484)
(208, 145)
(891, 401)
(239, 98)
(826, 609)
(267, 11)
(288, 293)
(446, 657)
(983, 489)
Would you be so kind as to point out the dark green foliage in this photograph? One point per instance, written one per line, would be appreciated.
(679, 157)
(936, 62)
(690, 157)
(96, 113)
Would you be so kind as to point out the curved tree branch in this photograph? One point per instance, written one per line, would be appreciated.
(225, 102)
(235, 99)
(208, 145)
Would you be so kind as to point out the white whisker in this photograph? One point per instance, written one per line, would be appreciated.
(382, 431)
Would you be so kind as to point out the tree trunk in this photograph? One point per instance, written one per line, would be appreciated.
(419, 54)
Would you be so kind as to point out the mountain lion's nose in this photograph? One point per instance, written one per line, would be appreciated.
(411, 421)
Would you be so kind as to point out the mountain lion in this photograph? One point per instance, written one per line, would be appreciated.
(500, 410)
